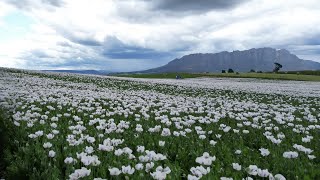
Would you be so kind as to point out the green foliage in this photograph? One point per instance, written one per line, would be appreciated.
(12, 165)
(230, 70)
(19, 159)
(3, 142)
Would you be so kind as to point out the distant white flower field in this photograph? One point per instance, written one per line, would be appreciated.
(93, 127)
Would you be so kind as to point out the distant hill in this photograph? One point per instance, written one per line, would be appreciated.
(261, 59)
(97, 72)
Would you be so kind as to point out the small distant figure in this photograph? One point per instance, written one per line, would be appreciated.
(178, 76)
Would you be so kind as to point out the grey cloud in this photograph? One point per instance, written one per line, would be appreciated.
(86, 39)
(37, 63)
(29, 4)
(313, 39)
(307, 52)
(116, 49)
(64, 44)
(36, 54)
(57, 3)
(97, 64)
(39, 59)
(305, 49)
(40, 54)
(162, 9)
(195, 5)
(86, 42)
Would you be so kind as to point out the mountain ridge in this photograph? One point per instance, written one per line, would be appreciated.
(259, 59)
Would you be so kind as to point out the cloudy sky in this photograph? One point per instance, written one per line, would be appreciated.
(128, 35)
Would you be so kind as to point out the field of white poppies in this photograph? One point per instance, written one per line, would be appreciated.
(63, 126)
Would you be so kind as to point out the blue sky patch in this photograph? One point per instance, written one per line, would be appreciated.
(15, 26)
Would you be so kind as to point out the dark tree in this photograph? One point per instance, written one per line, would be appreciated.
(252, 70)
(223, 71)
(230, 70)
(277, 67)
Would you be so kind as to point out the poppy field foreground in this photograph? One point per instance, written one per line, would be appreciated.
(66, 126)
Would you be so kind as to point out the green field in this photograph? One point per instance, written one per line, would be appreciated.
(298, 77)
(162, 75)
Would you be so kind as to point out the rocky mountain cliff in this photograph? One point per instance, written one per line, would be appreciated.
(261, 59)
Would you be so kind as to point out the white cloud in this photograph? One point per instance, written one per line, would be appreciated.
(75, 31)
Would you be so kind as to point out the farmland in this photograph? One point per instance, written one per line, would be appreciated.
(65, 126)
(295, 75)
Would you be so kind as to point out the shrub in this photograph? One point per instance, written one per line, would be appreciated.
(230, 70)
(277, 67)
(223, 71)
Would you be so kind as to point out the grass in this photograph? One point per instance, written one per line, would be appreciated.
(272, 76)
(305, 72)
(162, 75)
